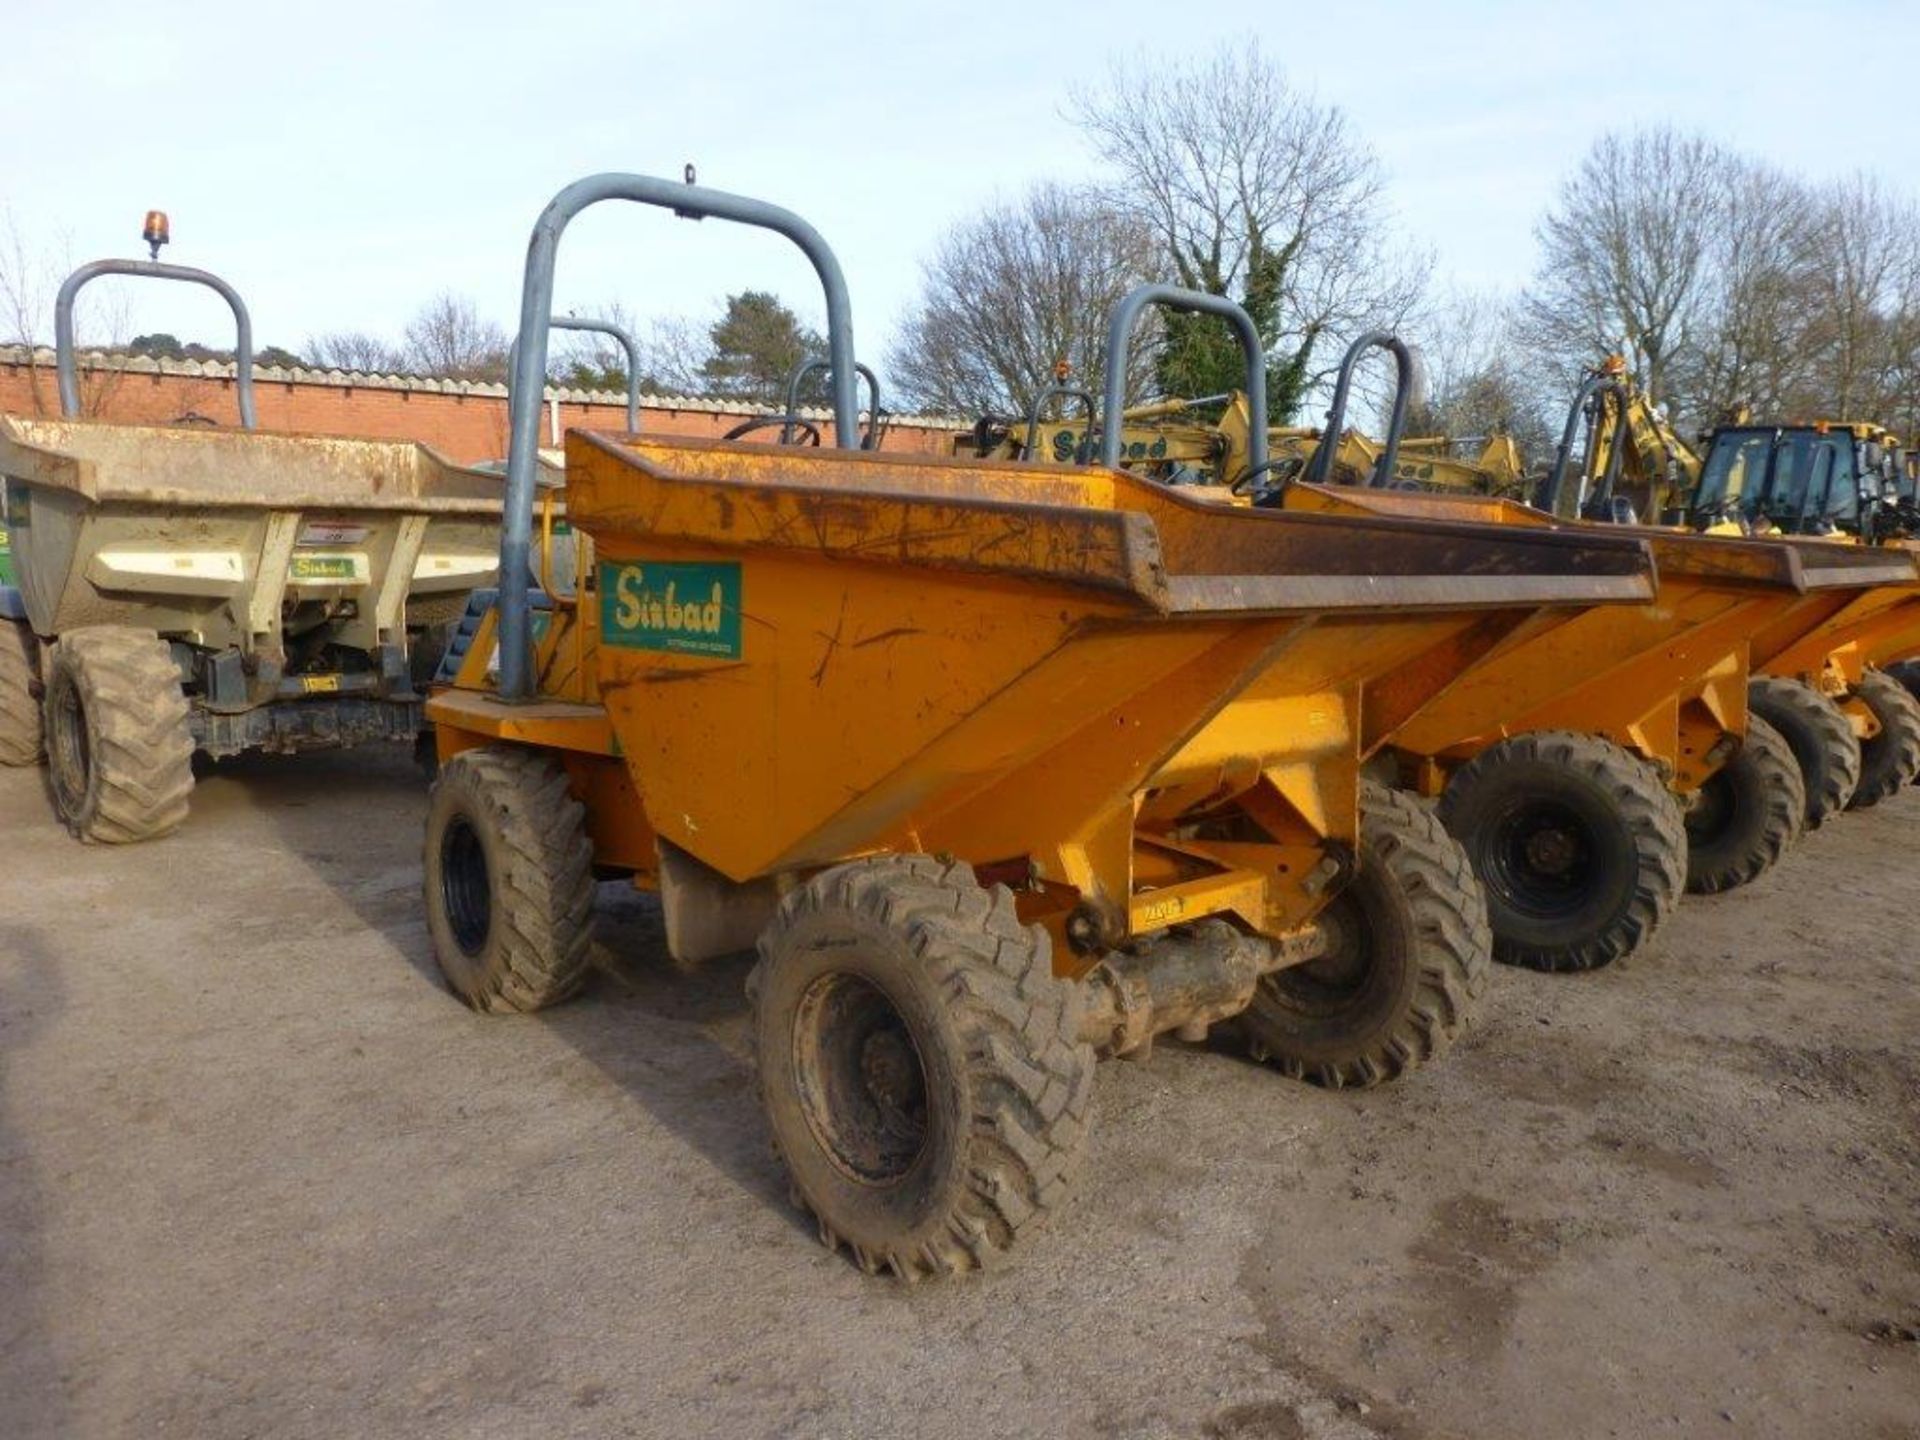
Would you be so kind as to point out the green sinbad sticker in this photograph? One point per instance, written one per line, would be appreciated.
(322, 567)
(687, 609)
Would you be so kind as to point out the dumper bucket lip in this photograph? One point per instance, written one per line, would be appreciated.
(31, 456)
(1794, 563)
(1128, 554)
(1830, 564)
(1801, 565)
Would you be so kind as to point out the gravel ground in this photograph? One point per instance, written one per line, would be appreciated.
(261, 1176)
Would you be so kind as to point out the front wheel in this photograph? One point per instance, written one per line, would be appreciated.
(119, 743)
(919, 1063)
(509, 879)
(1580, 847)
(1406, 959)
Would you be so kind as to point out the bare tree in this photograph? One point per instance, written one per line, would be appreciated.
(1475, 381)
(28, 283)
(1867, 246)
(448, 337)
(1013, 294)
(1902, 411)
(1626, 253)
(1751, 346)
(354, 350)
(1254, 190)
(673, 349)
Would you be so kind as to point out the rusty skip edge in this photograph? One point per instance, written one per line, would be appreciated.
(1828, 564)
(1726, 558)
(1119, 552)
(250, 470)
(1792, 563)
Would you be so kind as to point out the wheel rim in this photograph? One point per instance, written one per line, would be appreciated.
(1335, 979)
(69, 746)
(862, 1081)
(1539, 858)
(466, 894)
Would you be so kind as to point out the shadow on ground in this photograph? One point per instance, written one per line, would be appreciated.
(673, 1040)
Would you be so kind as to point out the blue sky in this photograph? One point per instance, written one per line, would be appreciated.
(341, 162)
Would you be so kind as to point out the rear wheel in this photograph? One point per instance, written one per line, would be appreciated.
(1579, 846)
(1742, 820)
(1890, 760)
(1822, 741)
(509, 879)
(919, 1063)
(119, 749)
(20, 728)
(1408, 951)
(1907, 672)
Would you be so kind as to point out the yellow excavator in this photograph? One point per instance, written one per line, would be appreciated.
(1169, 441)
(1829, 479)
(1635, 464)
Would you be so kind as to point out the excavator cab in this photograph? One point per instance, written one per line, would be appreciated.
(1814, 480)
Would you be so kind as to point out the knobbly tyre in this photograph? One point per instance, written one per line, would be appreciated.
(999, 767)
(183, 590)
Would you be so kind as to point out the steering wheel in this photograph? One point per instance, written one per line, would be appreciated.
(1284, 470)
(809, 433)
(990, 432)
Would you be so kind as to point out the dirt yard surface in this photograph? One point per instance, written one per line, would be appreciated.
(261, 1176)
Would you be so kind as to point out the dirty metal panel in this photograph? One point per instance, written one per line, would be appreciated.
(1722, 557)
(196, 467)
(623, 495)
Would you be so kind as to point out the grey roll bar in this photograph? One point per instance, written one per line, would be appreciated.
(66, 362)
(1120, 339)
(1320, 465)
(798, 378)
(628, 344)
(1591, 388)
(530, 366)
(1060, 392)
(599, 327)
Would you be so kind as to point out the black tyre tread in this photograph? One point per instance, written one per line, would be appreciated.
(1432, 871)
(1889, 761)
(1806, 718)
(142, 748)
(1031, 1076)
(21, 734)
(542, 909)
(1907, 672)
(1651, 812)
(1769, 773)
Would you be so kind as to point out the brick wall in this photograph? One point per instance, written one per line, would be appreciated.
(465, 423)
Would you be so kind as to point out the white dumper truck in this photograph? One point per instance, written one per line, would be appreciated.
(183, 589)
